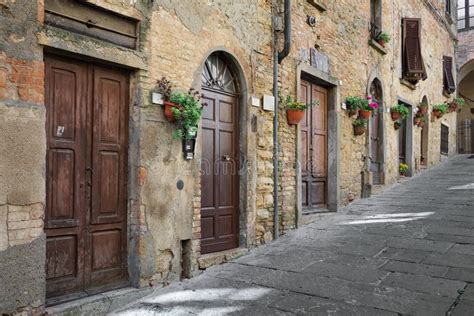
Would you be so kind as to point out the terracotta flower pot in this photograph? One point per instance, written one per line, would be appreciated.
(437, 113)
(422, 123)
(381, 42)
(423, 109)
(396, 127)
(294, 116)
(359, 130)
(417, 121)
(365, 114)
(395, 116)
(168, 113)
(452, 108)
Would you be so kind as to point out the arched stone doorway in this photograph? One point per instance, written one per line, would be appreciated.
(220, 183)
(376, 134)
(465, 133)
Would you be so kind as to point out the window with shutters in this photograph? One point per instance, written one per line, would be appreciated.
(444, 139)
(465, 14)
(375, 18)
(448, 78)
(412, 59)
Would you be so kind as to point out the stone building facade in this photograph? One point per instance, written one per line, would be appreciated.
(465, 64)
(154, 233)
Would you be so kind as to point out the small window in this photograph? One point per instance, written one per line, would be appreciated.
(412, 62)
(465, 14)
(375, 18)
(448, 5)
(448, 78)
(444, 139)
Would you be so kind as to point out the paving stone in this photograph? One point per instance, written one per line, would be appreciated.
(451, 260)
(313, 305)
(424, 284)
(463, 308)
(419, 244)
(450, 238)
(468, 293)
(463, 249)
(408, 255)
(415, 268)
(462, 274)
(355, 274)
(450, 231)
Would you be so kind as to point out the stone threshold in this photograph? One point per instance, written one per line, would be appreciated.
(99, 304)
(215, 258)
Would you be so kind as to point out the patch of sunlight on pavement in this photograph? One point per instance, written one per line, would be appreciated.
(247, 294)
(390, 218)
(469, 186)
(178, 310)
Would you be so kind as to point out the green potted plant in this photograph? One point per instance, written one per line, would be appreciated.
(417, 119)
(397, 125)
(403, 168)
(360, 126)
(422, 121)
(353, 105)
(383, 38)
(399, 111)
(455, 104)
(187, 113)
(295, 110)
(422, 108)
(439, 110)
(164, 87)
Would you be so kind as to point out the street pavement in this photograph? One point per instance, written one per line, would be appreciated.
(406, 251)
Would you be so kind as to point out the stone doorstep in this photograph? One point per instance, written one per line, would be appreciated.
(99, 304)
(215, 258)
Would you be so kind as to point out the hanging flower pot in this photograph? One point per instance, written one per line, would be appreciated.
(360, 127)
(438, 113)
(397, 125)
(421, 124)
(395, 116)
(294, 116)
(417, 120)
(168, 113)
(365, 114)
(423, 109)
(398, 111)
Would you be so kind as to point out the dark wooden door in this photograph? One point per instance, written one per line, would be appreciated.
(87, 131)
(314, 147)
(402, 141)
(375, 147)
(219, 172)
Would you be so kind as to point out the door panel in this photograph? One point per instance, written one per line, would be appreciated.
(314, 147)
(87, 129)
(375, 143)
(219, 173)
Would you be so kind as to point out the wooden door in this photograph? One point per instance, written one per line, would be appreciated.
(219, 172)
(375, 147)
(87, 131)
(314, 147)
(402, 141)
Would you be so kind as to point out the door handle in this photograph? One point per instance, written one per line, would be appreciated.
(226, 157)
(90, 169)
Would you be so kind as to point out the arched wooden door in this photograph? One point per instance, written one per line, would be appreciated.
(220, 157)
(376, 136)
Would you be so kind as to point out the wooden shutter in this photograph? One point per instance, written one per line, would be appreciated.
(448, 79)
(413, 66)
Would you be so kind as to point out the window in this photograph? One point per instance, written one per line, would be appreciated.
(444, 139)
(448, 79)
(375, 18)
(465, 14)
(448, 7)
(413, 67)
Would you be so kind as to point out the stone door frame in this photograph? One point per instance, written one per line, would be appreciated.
(332, 85)
(410, 134)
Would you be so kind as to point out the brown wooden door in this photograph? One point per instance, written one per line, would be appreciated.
(375, 143)
(87, 131)
(314, 147)
(219, 172)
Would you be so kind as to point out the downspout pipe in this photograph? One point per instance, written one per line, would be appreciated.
(277, 59)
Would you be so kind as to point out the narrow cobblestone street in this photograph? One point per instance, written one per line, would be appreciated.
(409, 250)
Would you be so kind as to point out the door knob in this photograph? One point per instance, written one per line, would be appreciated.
(226, 157)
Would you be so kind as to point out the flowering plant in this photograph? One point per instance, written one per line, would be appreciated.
(372, 104)
(403, 168)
